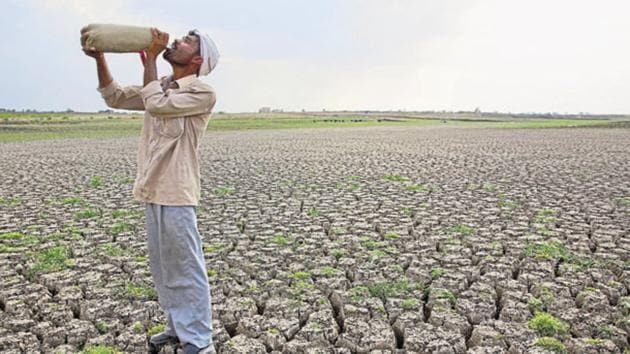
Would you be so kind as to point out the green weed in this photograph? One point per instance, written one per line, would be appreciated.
(551, 344)
(395, 178)
(96, 181)
(547, 325)
(222, 191)
(86, 213)
(153, 330)
(312, 212)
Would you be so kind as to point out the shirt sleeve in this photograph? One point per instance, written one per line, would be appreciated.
(176, 104)
(127, 97)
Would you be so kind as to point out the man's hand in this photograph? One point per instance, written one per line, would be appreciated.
(90, 52)
(159, 43)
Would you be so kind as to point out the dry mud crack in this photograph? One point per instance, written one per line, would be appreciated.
(358, 240)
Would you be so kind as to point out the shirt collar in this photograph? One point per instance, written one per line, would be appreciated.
(186, 80)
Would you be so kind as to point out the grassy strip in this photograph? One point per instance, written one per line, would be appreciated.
(28, 127)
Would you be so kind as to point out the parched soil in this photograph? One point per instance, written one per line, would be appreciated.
(356, 240)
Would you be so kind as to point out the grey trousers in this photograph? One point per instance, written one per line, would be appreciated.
(179, 272)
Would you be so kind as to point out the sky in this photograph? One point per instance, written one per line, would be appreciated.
(565, 56)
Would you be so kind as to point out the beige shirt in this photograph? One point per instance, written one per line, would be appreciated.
(175, 119)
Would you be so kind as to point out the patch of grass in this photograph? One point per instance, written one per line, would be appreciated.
(120, 227)
(212, 273)
(72, 201)
(215, 247)
(8, 249)
(280, 240)
(359, 292)
(437, 272)
(509, 204)
(418, 188)
(548, 250)
(11, 236)
(444, 294)
(594, 341)
(408, 211)
(52, 260)
(86, 213)
(121, 213)
(222, 191)
(337, 253)
(410, 304)
(377, 254)
(395, 178)
(534, 304)
(10, 202)
(299, 275)
(389, 289)
(545, 215)
(101, 349)
(461, 229)
(153, 330)
(140, 291)
(547, 325)
(137, 327)
(124, 180)
(329, 271)
(392, 235)
(96, 181)
(102, 327)
(313, 212)
(489, 187)
(111, 250)
(622, 201)
(299, 288)
(551, 344)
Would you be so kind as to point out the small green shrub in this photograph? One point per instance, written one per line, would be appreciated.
(461, 229)
(120, 227)
(86, 213)
(410, 304)
(101, 349)
(392, 235)
(96, 181)
(222, 191)
(548, 250)
(153, 330)
(280, 240)
(329, 271)
(437, 272)
(547, 325)
(395, 178)
(102, 327)
(551, 344)
(337, 253)
(11, 236)
(313, 212)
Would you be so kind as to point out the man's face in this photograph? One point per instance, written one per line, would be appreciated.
(182, 50)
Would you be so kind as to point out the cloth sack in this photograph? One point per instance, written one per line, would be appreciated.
(117, 38)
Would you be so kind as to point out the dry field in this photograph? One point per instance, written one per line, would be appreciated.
(391, 239)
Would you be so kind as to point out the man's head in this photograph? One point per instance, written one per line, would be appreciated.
(184, 52)
(193, 51)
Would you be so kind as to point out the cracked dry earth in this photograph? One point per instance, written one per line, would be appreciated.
(355, 240)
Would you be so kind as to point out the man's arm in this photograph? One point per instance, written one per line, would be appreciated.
(156, 101)
(114, 95)
(200, 100)
(159, 43)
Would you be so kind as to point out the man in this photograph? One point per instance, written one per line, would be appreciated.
(177, 109)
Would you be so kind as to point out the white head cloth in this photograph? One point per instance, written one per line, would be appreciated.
(209, 52)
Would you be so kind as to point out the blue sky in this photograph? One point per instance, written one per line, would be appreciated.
(498, 55)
